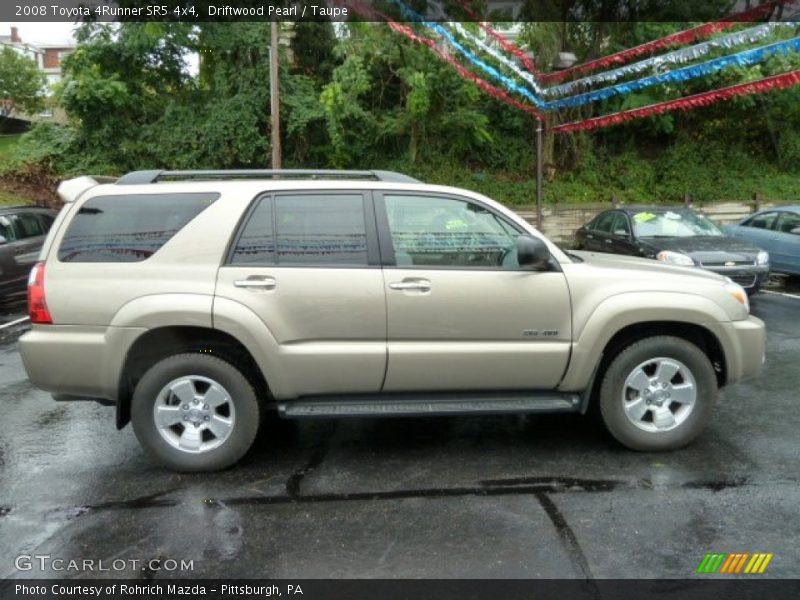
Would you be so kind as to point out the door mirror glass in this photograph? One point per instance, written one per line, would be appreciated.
(532, 253)
(3, 240)
(795, 231)
(620, 233)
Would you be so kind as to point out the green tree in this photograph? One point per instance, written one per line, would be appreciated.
(21, 84)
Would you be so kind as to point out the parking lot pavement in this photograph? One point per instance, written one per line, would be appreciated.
(446, 497)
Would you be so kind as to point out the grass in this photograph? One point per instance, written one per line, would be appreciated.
(9, 194)
(7, 142)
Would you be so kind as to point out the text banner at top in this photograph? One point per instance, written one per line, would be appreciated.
(338, 10)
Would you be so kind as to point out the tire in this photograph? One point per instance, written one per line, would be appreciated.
(633, 384)
(195, 412)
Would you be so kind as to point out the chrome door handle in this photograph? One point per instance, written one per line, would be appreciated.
(256, 283)
(417, 285)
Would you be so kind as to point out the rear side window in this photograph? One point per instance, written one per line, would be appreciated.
(305, 230)
(28, 225)
(128, 228)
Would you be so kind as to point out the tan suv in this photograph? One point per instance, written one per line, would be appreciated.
(197, 302)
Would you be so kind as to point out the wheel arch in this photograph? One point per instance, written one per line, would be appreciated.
(159, 343)
(696, 334)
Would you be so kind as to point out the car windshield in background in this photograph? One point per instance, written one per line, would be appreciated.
(673, 224)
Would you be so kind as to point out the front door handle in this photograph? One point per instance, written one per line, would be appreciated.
(608, 241)
(414, 285)
(256, 283)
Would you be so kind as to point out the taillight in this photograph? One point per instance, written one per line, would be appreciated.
(37, 306)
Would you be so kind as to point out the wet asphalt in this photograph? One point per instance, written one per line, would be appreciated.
(495, 497)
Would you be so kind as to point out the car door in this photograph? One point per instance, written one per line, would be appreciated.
(785, 243)
(461, 312)
(307, 264)
(21, 253)
(601, 238)
(621, 237)
(758, 229)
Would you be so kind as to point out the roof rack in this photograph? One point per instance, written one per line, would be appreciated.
(145, 177)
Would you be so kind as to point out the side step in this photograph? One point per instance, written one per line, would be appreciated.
(429, 404)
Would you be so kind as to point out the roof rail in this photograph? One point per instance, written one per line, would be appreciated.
(145, 177)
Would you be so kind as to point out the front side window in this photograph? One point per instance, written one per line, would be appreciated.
(789, 222)
(621, 225)
(447, 232)
(305, 230)
(762, 221)
(605, 222)
(128, 228)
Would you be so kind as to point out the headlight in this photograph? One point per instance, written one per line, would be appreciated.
(675, 258)
(738, 293)
(762, 258)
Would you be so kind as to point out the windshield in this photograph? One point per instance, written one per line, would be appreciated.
(673, 224)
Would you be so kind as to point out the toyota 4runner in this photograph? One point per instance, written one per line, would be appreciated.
(199, 301)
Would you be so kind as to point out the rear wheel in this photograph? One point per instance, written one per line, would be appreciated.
(658, 394)
(195, 412)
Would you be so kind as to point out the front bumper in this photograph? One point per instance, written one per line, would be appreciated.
(750, 277)
(744, 344)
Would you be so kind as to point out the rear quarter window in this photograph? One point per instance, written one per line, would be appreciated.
(128, 228)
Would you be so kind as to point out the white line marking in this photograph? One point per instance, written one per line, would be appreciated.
(12, 323)
(782, 294)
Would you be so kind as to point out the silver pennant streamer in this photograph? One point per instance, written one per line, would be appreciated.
(681, 56)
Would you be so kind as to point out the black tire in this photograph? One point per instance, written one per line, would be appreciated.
(242, 395)
(611, 394)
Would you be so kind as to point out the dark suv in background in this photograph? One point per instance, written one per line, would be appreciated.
(22, 233)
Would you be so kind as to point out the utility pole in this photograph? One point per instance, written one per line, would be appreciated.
(539, 172)
(274, 96)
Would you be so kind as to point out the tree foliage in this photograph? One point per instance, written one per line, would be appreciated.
(361, 96)
(21, 84)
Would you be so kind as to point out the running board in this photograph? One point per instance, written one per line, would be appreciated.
(429, 404)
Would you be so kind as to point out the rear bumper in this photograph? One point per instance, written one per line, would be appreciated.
(744, 345)
(71, 360)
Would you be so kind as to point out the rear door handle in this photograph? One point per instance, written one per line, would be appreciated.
(256, 283)
(415, 285)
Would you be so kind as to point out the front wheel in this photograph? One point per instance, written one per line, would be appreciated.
(195, 412)
(658, 394)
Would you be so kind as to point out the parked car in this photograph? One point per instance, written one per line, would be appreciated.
(209, 299)
(22, 233)
(679, 236)
(776, 230)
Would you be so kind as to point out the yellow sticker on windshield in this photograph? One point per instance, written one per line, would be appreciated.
(643, 217)
(455, 224)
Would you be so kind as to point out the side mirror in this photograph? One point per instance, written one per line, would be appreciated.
(3, 240)
(795, 231)
(621, 233)
(532, 253)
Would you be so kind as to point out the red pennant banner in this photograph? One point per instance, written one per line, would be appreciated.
(776, 82)
(676, 39)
